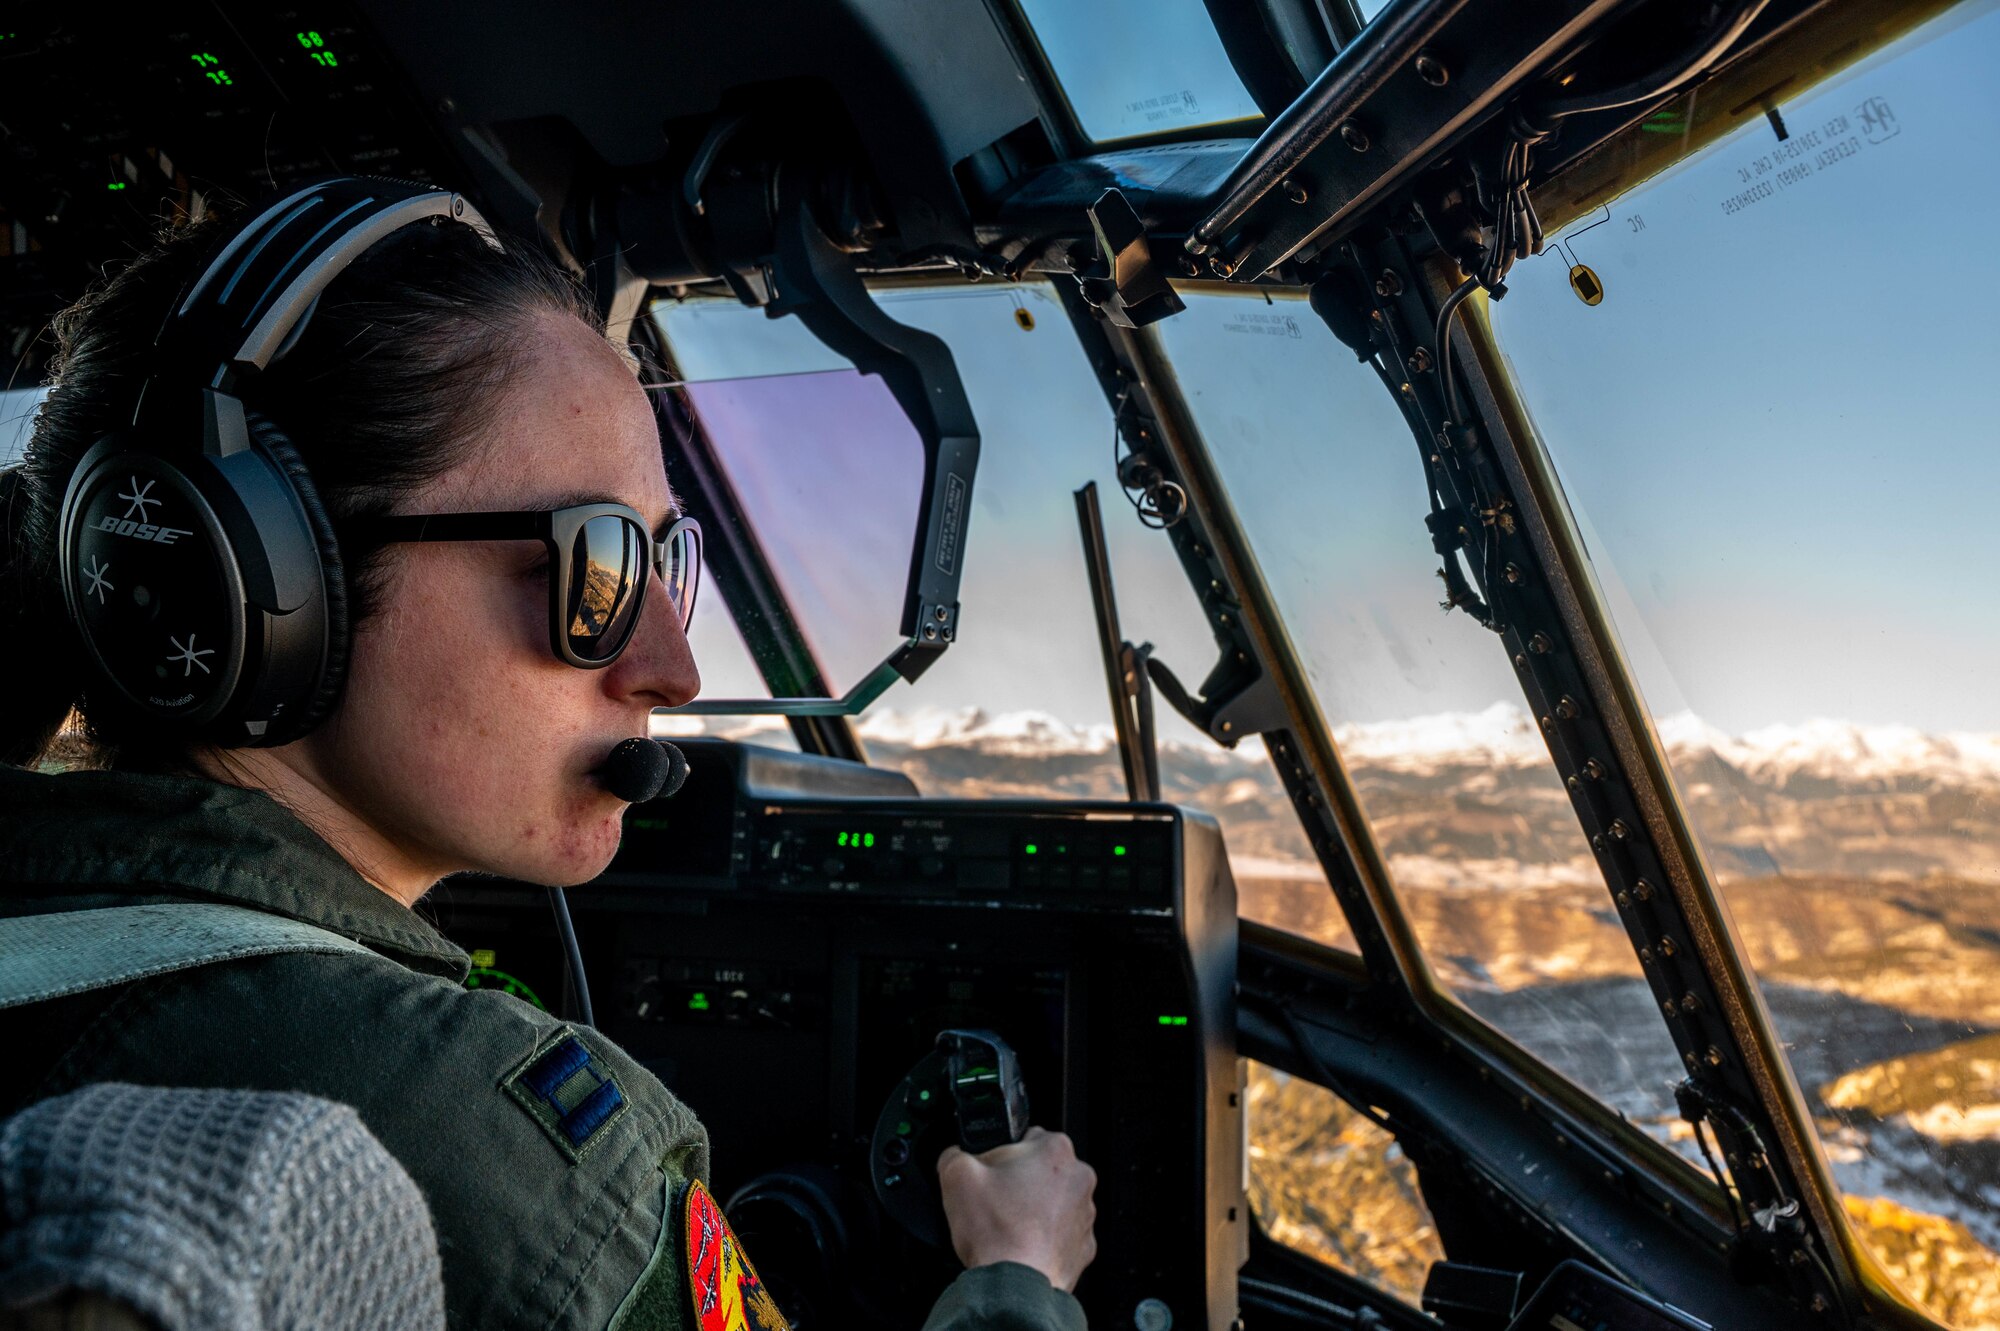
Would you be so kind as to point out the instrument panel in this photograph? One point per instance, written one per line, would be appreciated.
(783, 940)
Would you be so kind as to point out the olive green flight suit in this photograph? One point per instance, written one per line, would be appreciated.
(552, 1195)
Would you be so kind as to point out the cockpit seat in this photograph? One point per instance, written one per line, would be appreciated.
(232, 1210)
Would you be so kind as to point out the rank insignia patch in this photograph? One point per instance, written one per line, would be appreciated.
(567, 1090)
(722, 1285)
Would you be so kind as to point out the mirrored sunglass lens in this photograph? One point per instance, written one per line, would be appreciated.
(604, 571)
(680, 570)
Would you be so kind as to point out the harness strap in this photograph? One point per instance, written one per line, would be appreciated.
(74, 952)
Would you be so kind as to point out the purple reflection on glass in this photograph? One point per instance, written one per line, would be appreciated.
(830, 473)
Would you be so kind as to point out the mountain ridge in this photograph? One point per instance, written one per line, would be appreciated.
(1502, 735)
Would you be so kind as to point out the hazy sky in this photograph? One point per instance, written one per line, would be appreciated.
(1778, 420)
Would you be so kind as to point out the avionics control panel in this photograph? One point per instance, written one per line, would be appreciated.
(783, 940)
(1028, 854)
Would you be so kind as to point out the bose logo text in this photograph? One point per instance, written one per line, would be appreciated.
(145, 531)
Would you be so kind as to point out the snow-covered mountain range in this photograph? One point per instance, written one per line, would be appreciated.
(1501, 736)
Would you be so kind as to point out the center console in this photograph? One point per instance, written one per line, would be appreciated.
(783, 940)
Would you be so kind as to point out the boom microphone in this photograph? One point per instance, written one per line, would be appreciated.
(642, 769)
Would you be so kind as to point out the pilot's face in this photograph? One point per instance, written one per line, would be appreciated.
(462, 740)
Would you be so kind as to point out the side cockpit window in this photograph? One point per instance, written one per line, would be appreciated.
(1770, 429)
(1486, 858)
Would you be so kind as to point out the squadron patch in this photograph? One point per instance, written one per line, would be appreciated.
(568, 1091)
(722, 1285)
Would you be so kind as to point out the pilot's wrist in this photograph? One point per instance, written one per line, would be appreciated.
(1005, 1296)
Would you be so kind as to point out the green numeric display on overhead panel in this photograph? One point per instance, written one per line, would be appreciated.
(857, 840)
(315, 46)
(211, 68)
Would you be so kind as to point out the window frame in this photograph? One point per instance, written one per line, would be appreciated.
(1499, 402)
(1133, 362)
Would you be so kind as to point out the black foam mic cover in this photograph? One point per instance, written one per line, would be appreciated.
(643, 769)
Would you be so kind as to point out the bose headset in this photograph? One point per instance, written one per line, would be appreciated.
(197, 562)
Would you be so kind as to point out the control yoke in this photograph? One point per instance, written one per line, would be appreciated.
(968, 1092)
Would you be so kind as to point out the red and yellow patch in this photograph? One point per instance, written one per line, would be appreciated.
(722, 1285)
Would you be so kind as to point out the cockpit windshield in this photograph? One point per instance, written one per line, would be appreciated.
(826, 466)
(1773, 433)
(1022, 708)
(17, 421)
(1486, 857)
(1170, 73)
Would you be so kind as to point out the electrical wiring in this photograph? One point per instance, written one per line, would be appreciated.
(1516, 232)
(1441, 339)
(1715, 42)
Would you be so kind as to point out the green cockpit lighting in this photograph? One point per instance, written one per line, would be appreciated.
(484, 975)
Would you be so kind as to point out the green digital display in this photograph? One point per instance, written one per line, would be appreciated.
(315, 46)
(211, 67)
(857, 840)
(1173, 1021)
(115, 185)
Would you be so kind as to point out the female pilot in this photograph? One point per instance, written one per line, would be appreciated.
(437, 375)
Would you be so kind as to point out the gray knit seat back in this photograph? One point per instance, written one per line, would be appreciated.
(233, 1210)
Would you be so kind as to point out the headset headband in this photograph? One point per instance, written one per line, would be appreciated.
(254, 298)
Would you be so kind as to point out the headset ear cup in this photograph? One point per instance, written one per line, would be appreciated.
(275, 445)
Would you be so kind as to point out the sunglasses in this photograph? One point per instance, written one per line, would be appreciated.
(598, 559)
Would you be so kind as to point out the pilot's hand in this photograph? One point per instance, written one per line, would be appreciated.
(1030, 1202)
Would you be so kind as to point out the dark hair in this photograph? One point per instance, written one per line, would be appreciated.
(400, 369)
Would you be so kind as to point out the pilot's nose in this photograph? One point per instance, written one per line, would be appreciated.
(657, 665)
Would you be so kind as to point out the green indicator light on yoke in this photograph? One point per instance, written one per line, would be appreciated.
(1031, 848)
(1118, 850)
(923, 1095)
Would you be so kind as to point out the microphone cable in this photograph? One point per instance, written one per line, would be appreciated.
(636, 771)
(572, 955)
